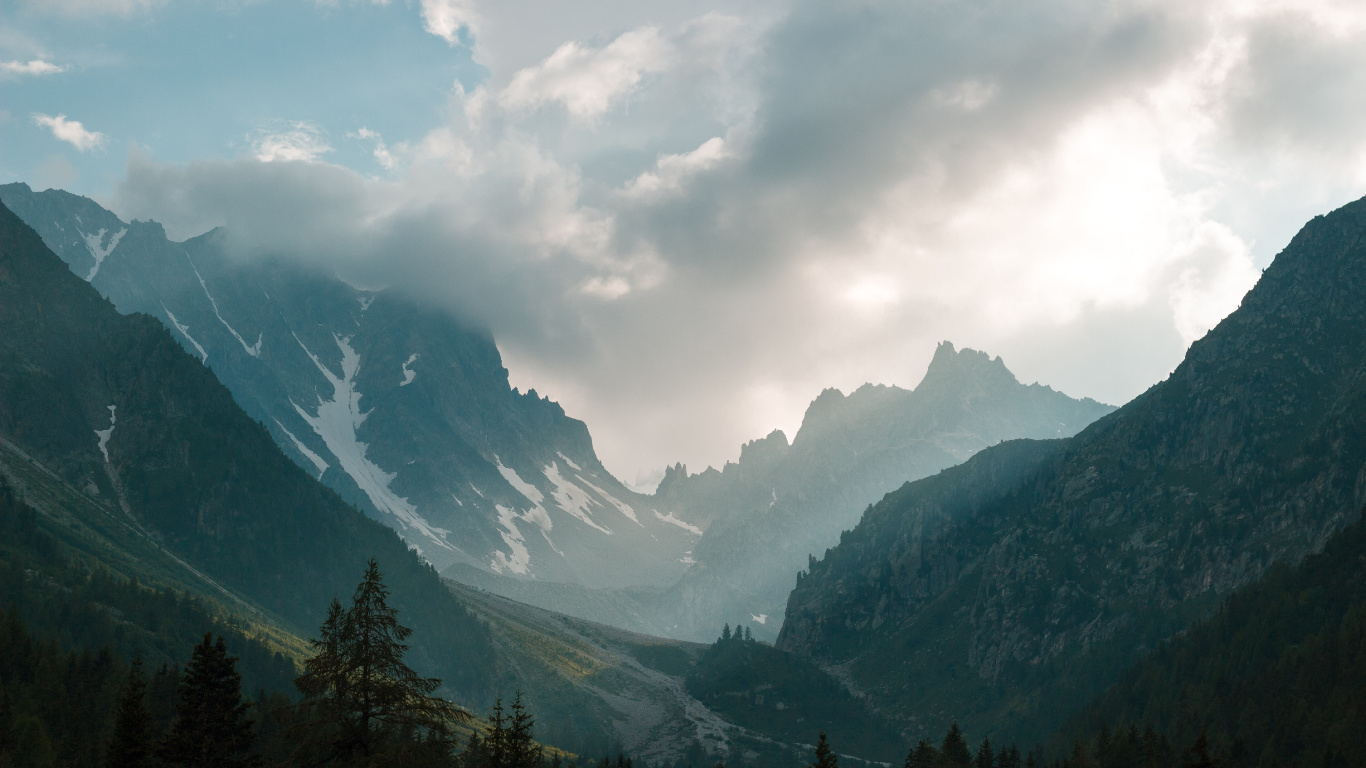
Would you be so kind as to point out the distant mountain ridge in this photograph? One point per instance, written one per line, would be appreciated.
(765, 514)
(405, 411)
(1009, 590)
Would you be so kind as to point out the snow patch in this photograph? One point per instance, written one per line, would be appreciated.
(185, 331)
(761, 618)
(671, 520)
(457, 500)
(409, 375)
(620, 505)
(336, 422)
(365, 302)
(476, 490)
(317, 460)
(252, 349)
(572, 465)
(520, 558)
(105, 434)
(570, 497)
(92, 244)
(687, 558)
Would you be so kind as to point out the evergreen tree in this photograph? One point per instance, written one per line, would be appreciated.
(986, 758)
(825, 758)
(131, 744)
(955, 748)
(523, 751)
(473, 756)
(725, 632)
(923, 755)
(749, 638)
(1009, 758)
(211, 729)
(359, 693)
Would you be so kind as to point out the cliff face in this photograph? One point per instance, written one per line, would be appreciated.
(1008, 601)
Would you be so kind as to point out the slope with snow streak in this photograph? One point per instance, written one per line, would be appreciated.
(571, 498)
(336, 422)
(252, 349)
(185, 331)
(97, 251)
(105, 434)
(518, 558)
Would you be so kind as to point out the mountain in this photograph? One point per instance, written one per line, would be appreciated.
(109, 408)
(1276, 677)
(781, 503)
(404, 410)
(1007, 591)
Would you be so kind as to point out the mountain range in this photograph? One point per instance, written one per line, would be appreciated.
(1006, 591)
(402, 409)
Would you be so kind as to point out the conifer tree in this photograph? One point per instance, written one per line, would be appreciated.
(955, 748)
(473, 756)
(922, 755)
(357, 690)
(986, 758)
(526, 753)
(1009, 758)
(749, 638)
(725, 632)
(825, 758)
(132, 743)
(211, 729)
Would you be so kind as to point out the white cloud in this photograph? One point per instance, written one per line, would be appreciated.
(381, 151)
(32, 67)
(71, 131)
(445, 18)
(587, 81)
(299, 142)
(671, 170)
(747, 207)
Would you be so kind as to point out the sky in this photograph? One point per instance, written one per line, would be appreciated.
(682, 221)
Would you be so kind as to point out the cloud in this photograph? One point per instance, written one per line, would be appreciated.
(671, 170)
(685, 230)
(381, 151)
(587, 81)
(446, 18)
(32, 67)
(71, 131)
(300, 142)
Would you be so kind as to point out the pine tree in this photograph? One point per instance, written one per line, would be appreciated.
(523, 750)
(1197, 755)
(749, 638)
(358, 691)
(986, 758)
(131, 744)
(923, 755)
(1010, 758)
(825, 758)
(955, 748)
(725, 632)
(473, 756)
(211, 729)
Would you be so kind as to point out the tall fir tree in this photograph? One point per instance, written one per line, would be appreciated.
(986, 758)
(825, 757)
(954, 750)
(359, 695)
(922, 755)
(211, 728)
(132, 743)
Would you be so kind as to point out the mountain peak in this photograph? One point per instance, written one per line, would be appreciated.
(953, 367)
